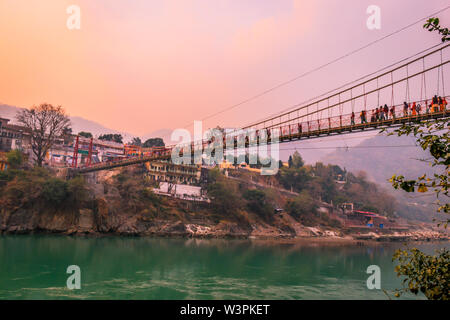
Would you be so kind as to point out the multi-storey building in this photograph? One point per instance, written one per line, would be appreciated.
(13, 137)
(169, 172)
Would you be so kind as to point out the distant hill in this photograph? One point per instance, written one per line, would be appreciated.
(316, 149)
(383, 156)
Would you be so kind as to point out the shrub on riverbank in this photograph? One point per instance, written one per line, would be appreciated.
(257, 203)
(23, 189)
(135, 190)
(303, 208)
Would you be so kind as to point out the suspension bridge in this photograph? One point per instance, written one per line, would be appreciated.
(406, 93)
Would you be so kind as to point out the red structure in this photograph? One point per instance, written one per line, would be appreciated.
(75, 154)
(89, 159)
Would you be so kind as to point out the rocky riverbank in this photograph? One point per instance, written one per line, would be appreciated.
(106, 221)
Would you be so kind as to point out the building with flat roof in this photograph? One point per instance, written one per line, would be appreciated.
(14, 137)
(169, 172)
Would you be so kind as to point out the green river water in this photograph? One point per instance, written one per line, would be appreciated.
(34, 267)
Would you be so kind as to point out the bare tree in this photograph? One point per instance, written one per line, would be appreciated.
(46, 123)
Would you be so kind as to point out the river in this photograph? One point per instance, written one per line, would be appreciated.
(34, 267)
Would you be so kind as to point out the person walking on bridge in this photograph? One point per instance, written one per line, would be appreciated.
(441, 104)
(386, 111)
(405, 109)
(435, 105)
(352, 119)
(413, 109)
(372, 116)
(393, 112)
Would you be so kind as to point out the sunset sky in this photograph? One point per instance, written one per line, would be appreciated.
(143, 65)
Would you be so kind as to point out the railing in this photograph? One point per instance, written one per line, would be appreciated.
(308, 129)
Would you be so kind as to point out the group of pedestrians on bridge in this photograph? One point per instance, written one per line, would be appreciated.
(438, 104)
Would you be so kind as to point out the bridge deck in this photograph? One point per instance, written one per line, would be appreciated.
(328, 127)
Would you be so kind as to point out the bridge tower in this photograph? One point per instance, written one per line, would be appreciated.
(75, 154)
(89, 159)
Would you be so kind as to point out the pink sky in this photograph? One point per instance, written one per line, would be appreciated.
(141, 65)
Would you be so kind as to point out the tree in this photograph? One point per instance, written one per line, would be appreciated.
(154, 142)
(111, 137)
(67, 135)
(85, 134)
(432, 24)
(46, 123)
(296, 160)
(224, 193)
(431, 136)
(295, 178)
(136, 142)
(425, 273)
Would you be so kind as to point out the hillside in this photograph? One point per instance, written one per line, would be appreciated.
(383, 156)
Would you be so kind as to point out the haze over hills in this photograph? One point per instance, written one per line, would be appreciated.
(317, 149)
(81, 124)
(383, 156)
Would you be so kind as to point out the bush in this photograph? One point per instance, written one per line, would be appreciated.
(55, 191)
(14, 158)
(302, 208)
(257, 203)
(77, 192)
(134, 190)
(335, 223)
(23, 188)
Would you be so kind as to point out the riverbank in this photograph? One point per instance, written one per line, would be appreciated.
(87, 226)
